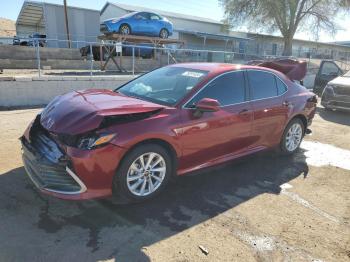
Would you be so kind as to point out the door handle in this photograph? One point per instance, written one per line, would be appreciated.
(243, 112)
(286, 103)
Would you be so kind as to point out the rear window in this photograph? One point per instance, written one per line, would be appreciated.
(281, 87)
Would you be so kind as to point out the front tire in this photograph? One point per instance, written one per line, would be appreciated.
(164, 33)
(142, 174)
(292, 136)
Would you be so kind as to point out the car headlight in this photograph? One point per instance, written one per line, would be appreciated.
(95, 140)
(329, 89)
(115, 21)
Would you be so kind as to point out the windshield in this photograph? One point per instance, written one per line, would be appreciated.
(166, 86)
(347, 74)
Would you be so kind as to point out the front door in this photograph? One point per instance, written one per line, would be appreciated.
(142, 26)
(327, 72)
(217, 134)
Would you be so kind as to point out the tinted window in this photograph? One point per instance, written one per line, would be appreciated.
(227, 89)
(281, 87)
(329, 68)
(154, 17)
(262, 84)
(142, 16)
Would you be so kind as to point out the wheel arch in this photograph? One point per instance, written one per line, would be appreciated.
(125, 23)
(164, 28)
(302, 118)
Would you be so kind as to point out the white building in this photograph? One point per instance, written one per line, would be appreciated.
(49, 19)
(197, 32)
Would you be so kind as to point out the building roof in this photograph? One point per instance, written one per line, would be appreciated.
(132, 8)
(334, 44)
(212, 36)
(347, 43)
(32, 13)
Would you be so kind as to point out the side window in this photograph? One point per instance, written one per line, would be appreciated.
(281, 87)
(154, 17)
(142, 16)
(262, 84)
(329, 68)
(227, 89)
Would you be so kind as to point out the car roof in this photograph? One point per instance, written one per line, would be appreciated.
(216, 68)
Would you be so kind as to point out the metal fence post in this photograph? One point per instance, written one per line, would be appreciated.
(38, 57)
(168, 57)
(91, 60)
(133, 60)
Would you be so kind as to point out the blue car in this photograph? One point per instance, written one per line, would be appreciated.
(139, 23)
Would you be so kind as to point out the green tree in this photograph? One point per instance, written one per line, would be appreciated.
(286, 16)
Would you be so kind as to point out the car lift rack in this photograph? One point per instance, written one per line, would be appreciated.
(134, 39)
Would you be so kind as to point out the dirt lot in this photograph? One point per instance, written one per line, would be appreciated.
(262, 208)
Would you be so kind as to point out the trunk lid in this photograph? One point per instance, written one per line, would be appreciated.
(293, 69)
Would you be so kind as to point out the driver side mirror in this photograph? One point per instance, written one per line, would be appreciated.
(206, 105)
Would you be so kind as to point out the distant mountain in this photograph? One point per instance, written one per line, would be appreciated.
(7, 27)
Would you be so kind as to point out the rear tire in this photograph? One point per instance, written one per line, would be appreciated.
(142, 174)
(292, 137)
(164, 33)
(124, 29)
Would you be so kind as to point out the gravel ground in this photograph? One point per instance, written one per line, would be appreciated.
(261, 208)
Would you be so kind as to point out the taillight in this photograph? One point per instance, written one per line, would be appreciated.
(312, 99)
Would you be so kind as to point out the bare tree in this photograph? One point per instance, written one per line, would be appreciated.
(286, 16)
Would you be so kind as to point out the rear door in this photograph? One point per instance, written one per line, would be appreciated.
(270, 107)
(155, 24)
(216, 134)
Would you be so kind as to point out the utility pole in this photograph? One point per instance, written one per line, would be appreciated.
(66, 17)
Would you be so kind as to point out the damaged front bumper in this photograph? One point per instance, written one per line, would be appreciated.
(46, 171)
(68, 172)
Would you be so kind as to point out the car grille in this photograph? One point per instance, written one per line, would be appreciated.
(342, 90)
(47, 165)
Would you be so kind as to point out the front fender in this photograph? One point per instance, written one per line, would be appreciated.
(133, 141)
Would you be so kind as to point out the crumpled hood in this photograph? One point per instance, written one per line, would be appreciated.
(78, 112)
(341, 80)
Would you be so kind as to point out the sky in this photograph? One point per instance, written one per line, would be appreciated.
(205, 8)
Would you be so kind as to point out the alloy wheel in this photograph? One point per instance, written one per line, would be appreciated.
(146, 174)
(294, 136)
(163, 33)
(125, 30)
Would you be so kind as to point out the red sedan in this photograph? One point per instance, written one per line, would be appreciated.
(174, 120)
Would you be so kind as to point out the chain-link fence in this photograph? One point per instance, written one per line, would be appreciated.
(103, 58)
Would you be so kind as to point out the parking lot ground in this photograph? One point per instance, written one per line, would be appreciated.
(261, 208)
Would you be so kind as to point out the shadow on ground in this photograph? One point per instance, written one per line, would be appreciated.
(338, 117)
(97, 230)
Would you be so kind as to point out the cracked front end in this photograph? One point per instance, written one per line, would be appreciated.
(66, 171)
